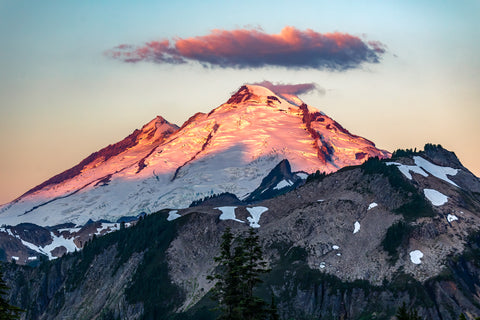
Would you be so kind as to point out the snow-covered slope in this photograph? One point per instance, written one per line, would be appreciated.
(229, 149)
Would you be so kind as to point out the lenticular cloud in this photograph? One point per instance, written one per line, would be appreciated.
(295, 89)
(244, 48)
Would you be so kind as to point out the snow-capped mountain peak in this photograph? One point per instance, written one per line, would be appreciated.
(230, 149)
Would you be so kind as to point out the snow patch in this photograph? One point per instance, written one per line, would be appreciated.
(322, 265)
(435, 197)
(356, 227)
(321, 200)
(15, 258)
(32, 258)
(283, 184)
(228, 213)
(372, 205)
(415, 256)
(172, 215)
(437, 171)
(335, 247)
(422, 165)
(405, 169)
(451, 217)
(58, 242)
(71, 230)
(302, 175)
(255, 213)
(107, 227)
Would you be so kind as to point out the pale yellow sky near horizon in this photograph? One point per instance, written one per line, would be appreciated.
(61, 98)
(391, 120)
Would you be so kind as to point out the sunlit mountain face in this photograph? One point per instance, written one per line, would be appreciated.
(230, 149)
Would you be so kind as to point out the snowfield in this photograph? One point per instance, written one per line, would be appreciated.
(283, 184)
(423, 166)
(435, 197)
(63, 240)
(372, 205)
(172, 215)
(405, 169)
(302, 175)
(436, 171)
(231, 149)
(228, 213)
(255, 213)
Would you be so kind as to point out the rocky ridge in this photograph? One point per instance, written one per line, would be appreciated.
(327, 243)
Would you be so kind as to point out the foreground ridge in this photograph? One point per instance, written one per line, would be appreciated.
(353, 244)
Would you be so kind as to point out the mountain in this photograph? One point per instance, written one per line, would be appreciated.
(230, 149)
(353, 244)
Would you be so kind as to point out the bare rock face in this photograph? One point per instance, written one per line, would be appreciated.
(464, 178)
(32, 233)
(280, 180)
(349, 245)
(338, 225)
(98, 292)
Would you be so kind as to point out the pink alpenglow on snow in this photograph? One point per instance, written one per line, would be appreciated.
(230, 149)
(253, 48)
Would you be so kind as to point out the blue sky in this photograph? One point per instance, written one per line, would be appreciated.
(61, 98)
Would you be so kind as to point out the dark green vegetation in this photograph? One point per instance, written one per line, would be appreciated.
(150, 285)
(224, 197)
(407, 153)
(296, 285)
(240, 265)
(316, 176)
(404, 314)
(7, 311)
(299, 291)
(401, 153)
(397, 234)
(416, 205)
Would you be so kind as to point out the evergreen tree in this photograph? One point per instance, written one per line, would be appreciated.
(414, 315)
(7, 311)
(237, 274)
(273, 312)
(227, 287)
(404, 314)
(252, 267)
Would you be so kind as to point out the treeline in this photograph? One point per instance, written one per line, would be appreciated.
(399, 153)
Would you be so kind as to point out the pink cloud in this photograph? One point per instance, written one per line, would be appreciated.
(253, 48)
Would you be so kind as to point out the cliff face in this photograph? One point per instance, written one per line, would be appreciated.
(352, 245)
(56, 291)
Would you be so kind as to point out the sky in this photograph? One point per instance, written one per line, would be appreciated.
(76, 76)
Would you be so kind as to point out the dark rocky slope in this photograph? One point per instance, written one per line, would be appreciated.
(320, 268)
